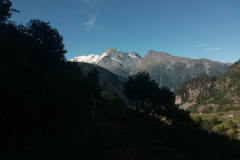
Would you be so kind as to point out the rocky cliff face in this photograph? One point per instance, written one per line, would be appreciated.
(112, 59)
(167, 70)
(119, 62)
(214, 92)
(171, 71)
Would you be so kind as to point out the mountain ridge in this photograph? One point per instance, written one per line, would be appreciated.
(166, 69)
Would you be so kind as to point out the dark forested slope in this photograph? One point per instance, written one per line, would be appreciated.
(110, 83)
(217, 92)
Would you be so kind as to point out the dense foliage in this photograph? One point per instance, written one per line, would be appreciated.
(159, 101)
(141, 89)
(5, 8)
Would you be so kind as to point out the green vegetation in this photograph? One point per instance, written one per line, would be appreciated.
(216, 94)
(222, 117)
(232, 124)
(220, 123)
(44, 112)
(6, 10)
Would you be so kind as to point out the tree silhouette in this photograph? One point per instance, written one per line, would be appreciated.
(163, 101)
(92, 81)
(49, 39)
(5, 10)
(160, 101)
(147, 95)
(141, 89)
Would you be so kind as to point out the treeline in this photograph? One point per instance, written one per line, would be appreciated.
(211, 125)
(37, 85)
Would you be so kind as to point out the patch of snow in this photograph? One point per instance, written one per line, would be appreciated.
(132, 56)
(92, 58)
(115, 60)
(103, 55)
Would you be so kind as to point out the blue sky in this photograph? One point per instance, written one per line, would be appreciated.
(187, 28)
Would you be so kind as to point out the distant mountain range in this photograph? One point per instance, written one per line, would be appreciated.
(204, 93)
(167, 70)
(120, 63)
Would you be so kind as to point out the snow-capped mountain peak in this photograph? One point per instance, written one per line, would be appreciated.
(91, 58)
(114, 54)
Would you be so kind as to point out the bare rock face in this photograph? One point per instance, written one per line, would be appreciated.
(171, 71)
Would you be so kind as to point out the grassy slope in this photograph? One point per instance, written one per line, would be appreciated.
(222, 118)
(116, 133)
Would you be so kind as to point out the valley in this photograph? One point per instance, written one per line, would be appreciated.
(208, 97)
(114, 105)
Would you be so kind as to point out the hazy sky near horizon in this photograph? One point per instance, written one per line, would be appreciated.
(186, 28)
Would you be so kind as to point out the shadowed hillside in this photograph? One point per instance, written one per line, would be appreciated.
(110, 83)
(45, 109)
(117, 132)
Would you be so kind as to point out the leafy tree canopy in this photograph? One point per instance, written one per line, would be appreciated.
(47, 37)
(5, 10)
(152, 99)
(140, 88)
